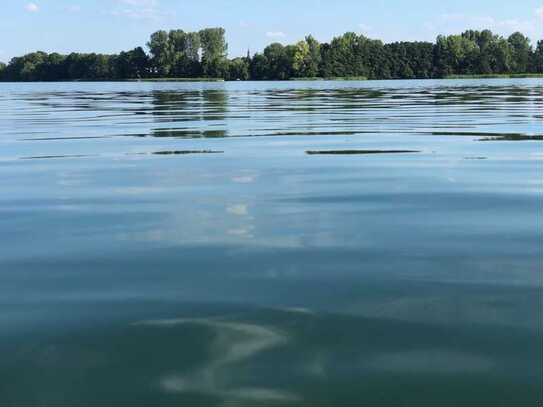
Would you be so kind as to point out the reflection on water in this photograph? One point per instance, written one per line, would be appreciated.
(360, 152)
(439, 108)
(269, 244)
(512, 137)
(234, 343)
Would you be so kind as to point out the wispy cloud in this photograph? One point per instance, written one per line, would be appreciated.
(32, 7)
(140, 3)
(275, 34)
(365, 28)
(74, 8)
(138, 9)
(457, 22)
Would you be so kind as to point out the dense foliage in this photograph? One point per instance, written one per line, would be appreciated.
(179, 54)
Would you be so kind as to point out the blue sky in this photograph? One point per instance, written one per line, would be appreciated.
(114, 25)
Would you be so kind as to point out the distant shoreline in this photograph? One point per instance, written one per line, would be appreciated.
(338, 79)
(171, 80)
(497, 76)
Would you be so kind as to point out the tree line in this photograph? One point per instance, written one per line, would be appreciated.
(203, 54)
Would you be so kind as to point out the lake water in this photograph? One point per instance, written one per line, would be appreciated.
(175, 244)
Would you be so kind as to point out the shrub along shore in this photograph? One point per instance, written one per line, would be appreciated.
(179, 55)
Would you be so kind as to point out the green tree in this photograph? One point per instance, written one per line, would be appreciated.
(307, 58)
(485, 42)
(501, 56)
(301, 60)
(521, 52)
(238, 69)
(537, 59)
(315, 59)
(408, 60)
(277, 60)
(176, 56)
(339, 58)
(192, 54)
(259, 67)
(352, 55)
(53, 68)
(131, 64)
(214, 52)
(161, 52)
(98, 67)
(26, 68)
(455, 54)
(185, 57)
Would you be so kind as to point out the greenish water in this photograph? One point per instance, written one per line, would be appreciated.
(271, 244)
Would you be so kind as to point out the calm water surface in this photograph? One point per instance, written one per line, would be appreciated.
(176, 245)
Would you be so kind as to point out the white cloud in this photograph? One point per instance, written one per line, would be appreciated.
(462, 19)
(525, 26)
(539, 13)
(456, 23)
(138, 9)
(365, 28)
(32, 8)
(74, 8)
(140, 3)
(276, 34)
